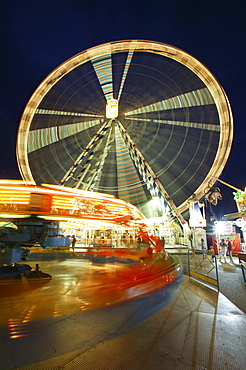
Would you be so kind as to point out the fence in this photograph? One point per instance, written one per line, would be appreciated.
(203, 266)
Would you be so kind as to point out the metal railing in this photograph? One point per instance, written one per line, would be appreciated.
(243, 267)
(203, 267)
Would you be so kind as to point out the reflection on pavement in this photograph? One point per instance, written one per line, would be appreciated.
(79, 285)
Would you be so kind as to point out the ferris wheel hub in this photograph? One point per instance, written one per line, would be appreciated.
(112, 108)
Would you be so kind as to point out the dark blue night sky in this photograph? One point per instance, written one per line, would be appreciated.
(37, 36)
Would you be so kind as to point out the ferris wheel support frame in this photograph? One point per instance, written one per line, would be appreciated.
(93, 141)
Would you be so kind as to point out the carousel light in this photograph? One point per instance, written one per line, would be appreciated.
(16, 182)
(81, 192)
(13, 215)
(65, 203)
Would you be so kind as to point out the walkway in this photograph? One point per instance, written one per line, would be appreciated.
(230, 278)
(199, 329)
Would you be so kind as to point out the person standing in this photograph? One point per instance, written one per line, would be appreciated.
(222, 250)
(204, 249)
(212, 253)
(73, 242)
(229, 248)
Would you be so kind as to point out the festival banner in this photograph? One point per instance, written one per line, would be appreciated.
(234, 239)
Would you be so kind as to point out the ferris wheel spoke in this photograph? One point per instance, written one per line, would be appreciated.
(154, 186)
(103, 68)
(126, 67)
(94, 175)
(63, 113)
(196, 98)
(201, 126)
(129, 186)
(40, 138)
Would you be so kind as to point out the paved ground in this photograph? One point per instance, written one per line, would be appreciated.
(230, 276)
(231, 283)
(42, 330)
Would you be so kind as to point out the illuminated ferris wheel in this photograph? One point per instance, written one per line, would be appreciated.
(136, 119)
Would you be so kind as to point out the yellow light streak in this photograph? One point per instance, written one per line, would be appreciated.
(13, 194)
(14, 201)
(85, 224)
(81, 192)
(96, 206)
(13, 215)
(17, 182)
(91, 218)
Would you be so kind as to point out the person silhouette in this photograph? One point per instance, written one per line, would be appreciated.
(229, 248)
(73, 242)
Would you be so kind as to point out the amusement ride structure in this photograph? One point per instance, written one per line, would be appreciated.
(136, 119)
(111, 129)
